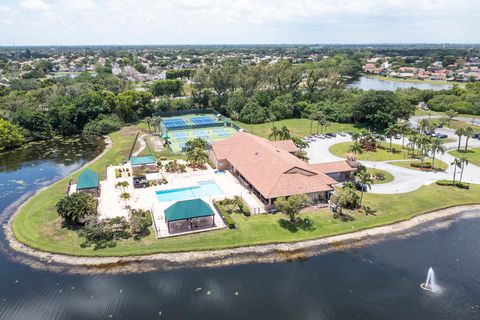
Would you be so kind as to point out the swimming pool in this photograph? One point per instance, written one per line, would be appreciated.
(203, 189)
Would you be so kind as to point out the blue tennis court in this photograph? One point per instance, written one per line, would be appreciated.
(201, 134)
(202, 120)
(221, 132)
(174, 123)
(179, 135)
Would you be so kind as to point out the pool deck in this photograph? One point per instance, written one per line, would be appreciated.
(110, 205)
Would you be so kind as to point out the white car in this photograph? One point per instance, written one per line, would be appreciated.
(343, 134)
(320, 136)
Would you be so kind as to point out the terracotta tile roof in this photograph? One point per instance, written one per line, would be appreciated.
(272, 170)
(286, 145)
(331, 167)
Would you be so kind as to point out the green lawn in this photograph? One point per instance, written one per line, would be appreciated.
(341, 150)
(473, 155)
(388, 176)
(38, 225)
(439, 164)
(298, 127)
(457, 124)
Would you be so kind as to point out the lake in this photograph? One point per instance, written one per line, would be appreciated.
(366, 83)
(380, 281)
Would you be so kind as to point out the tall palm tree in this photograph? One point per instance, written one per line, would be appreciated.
(311, 117)
(125, 196)
(366, 180)
(272, 119)
(390, 132)
(464, 162)
(423, 147)
(459, 132)
(284, 133)
(469, 133)
(423, 125)
(436, 147)
(355, 147)
(321, 121)
(403, 130)
(457, 163)
(413, 142)
(149, 121)
(355, 137)
(274, 133)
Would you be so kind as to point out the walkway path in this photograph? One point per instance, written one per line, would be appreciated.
(143, 145)
(405, 180)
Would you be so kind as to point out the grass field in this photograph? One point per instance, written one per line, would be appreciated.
(341, 150)
(456, 124)
(298, 127)
(38, 225)
(473, 155)
(388, 176)
(439, 164)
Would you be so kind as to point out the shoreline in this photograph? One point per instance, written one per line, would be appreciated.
(433, 82)
(268, 253)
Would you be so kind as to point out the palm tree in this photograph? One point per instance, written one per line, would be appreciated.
(413, 142)
(450, 115)
(311, 117)
(125, 196)
(403, 130)
(457, 163)
(272, 119)
(355, 136)
(459, 132)
(464, 162)
(149, 122)
(423, 147)
(274, 133)
(436, 147)
(321, 121)
(390, 132)
(197, 157)
(284, 133)
(355, 147)
(469, 133)
(122, 185)
(423, 125)
(366, 180)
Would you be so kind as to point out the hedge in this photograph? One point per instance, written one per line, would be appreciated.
(458, 184)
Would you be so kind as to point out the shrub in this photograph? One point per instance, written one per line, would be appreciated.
(461, 185)
(243, 207)
(102, 125)
(140, 221)
(426, 165)
(74, 209)
(379, 175)
(103, 233)
(225, 215)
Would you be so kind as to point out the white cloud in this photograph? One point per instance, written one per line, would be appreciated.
(245, 21)
(34, 5)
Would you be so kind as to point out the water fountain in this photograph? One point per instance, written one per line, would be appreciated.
(430, 284)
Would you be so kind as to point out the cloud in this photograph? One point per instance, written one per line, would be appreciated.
(246, 21)
(34, 5)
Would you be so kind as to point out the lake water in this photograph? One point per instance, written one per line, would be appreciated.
(389, 85)
(380, 281)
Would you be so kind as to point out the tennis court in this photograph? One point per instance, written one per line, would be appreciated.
(174, 123)
(221, 132)
(179, 136)
(203, 120)
(201, 134)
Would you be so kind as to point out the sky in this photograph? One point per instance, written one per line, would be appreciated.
(137, 22)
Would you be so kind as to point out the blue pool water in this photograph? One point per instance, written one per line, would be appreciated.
(204, 189)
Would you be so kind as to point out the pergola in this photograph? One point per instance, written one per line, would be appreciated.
(189, 215)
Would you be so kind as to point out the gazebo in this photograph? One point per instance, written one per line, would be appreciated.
(189, 215)
(89, 182)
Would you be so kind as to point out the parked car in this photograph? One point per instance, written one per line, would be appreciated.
(343, 134)
(477, 136)
(397, 136)
(320, 136)
(361, 187)
(331, 135)
(439, 135)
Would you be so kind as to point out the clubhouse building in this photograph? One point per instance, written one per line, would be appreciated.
(270, 169)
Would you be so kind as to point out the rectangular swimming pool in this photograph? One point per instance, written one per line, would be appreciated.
(204, 189)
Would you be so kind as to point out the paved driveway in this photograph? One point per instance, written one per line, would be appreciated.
(405, 180)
